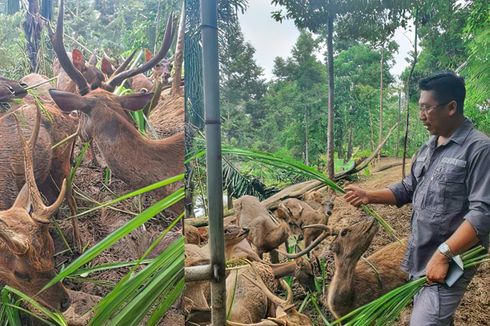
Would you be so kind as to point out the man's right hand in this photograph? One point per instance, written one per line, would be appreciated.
(356, 195)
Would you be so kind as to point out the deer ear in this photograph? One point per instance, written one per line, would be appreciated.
(106, 67)
(295, 209)
(70, 102)
(135, 102)
(23, 199)
(148, 55)
(78, 59)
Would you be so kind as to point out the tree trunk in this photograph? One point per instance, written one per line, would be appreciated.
(330, 150)
(407, 96)
(380, 136)
(179, 55)
(398, 121)
(32, 29)
(307, 161)
(371, 125)
(349, 146)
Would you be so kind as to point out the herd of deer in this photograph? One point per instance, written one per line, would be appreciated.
(254, 230)
(33, 172)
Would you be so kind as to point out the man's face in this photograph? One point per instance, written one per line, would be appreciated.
(434, 115)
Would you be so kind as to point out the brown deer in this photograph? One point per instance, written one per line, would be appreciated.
(196, 294)
(355, 282)
(298, 213)
(10, 89)
(265, 233)
(26, 247)
(52, 165)
(286, 312)
(133, 158)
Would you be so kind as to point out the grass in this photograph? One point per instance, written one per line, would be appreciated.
(387, 308)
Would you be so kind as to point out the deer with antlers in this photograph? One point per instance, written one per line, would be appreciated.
(357, 282)
(26, 247)
(132, 157)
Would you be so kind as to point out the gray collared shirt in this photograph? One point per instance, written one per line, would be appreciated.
(447, 184)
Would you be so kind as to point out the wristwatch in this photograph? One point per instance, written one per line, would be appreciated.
(445, 250)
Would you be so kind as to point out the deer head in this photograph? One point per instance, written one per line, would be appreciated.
(352, 241)
(116, 79)
(11, 89)
(26, 247)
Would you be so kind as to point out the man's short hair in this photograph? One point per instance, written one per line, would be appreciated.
(447, 87)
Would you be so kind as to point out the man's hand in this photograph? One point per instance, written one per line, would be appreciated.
(437, 268)
(356, 195)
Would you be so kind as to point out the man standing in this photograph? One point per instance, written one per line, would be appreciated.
(449, 188)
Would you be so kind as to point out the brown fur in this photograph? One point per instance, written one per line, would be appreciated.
(265, 234)
(299, 214)
(51, 165)
(91, 73)
(26, 247)
(357, 283)
(196, 294)
(321, 199)
(246, 303)
(133, 158)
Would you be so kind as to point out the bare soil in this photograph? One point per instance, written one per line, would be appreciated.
(475, 306)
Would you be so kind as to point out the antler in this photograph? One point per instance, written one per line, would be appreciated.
(285, 304)
(125, 64)
(65, 62)
(41, 213)
(326, 233)
(167, 41)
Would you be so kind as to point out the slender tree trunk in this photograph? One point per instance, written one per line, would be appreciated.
(407, 96)
(371, 125)
(349, 145)
(307, 161)
(330, 143)
(179, 55)
(32, 30)
(398, 121)
(380, 136)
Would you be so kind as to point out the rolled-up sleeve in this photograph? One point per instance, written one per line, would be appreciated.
(478, 183)
(403, 191)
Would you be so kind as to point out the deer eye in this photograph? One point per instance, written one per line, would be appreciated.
(22, 276)
(343, 233)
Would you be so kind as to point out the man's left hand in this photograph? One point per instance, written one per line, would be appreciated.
(437, 268)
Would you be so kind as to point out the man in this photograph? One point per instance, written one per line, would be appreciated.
(449, 188)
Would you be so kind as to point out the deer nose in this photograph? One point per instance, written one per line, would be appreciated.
(65, 303)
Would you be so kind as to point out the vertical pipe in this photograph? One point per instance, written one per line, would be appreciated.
(209, 33)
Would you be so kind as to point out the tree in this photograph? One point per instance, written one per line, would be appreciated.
(318, 16)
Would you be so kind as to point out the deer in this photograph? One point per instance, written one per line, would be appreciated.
(10, 89)
(26, 247)
(265, 233)
(298, 213)
(236, 247)
(355, 282)
(132, 157)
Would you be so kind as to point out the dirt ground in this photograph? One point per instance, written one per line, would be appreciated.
(475, 306)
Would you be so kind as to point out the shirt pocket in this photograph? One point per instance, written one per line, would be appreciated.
(418, 174)
(455, 193)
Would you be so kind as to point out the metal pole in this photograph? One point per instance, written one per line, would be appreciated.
(209, 33)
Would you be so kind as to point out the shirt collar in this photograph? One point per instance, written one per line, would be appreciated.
(460, 134)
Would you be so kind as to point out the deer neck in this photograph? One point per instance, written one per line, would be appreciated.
(340, 292)
(284, 269)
